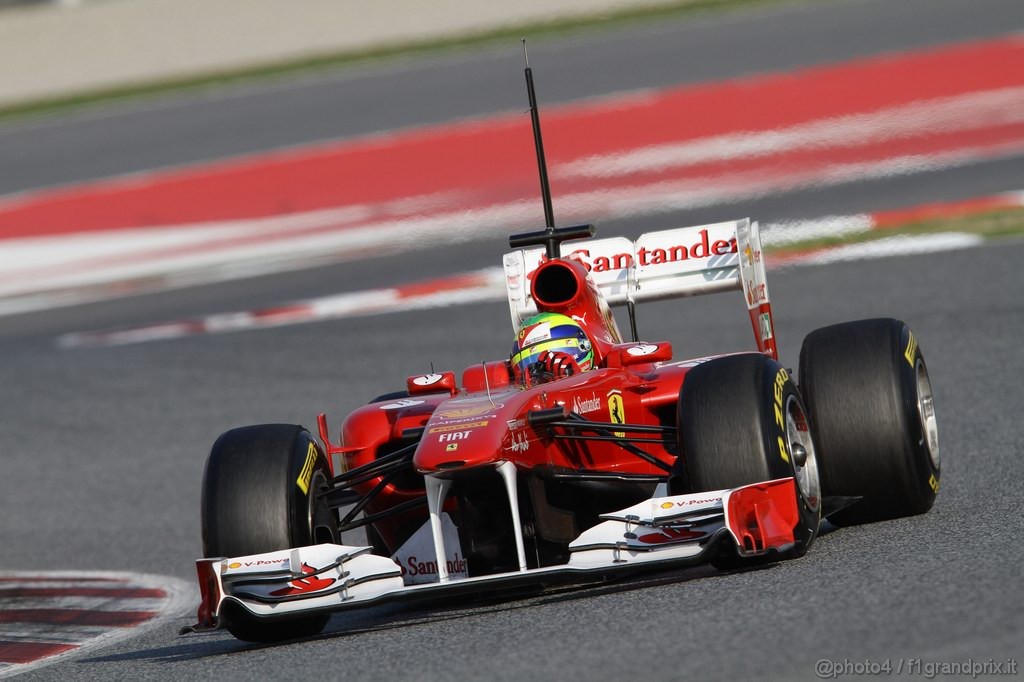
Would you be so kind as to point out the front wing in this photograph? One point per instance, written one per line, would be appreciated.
(657, 533)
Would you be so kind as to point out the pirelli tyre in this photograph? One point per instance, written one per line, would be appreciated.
(870, 400)
(259, 495)
(741, 420)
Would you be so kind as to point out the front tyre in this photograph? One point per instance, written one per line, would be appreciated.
(867, 388)
(742, 421)
(259, 495)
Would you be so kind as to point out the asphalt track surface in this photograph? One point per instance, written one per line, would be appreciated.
(103, 448)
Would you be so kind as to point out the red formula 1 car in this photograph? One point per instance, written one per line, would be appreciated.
(620, 460)
(643, 461)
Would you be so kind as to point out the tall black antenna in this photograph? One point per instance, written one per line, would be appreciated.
(542, 165)
(551, 237)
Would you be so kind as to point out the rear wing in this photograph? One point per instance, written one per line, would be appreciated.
(675, 263)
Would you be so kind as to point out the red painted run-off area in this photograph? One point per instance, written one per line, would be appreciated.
(27, 652)
(490, 160)
(23, 602)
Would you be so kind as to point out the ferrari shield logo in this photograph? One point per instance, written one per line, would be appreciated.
(617, 412)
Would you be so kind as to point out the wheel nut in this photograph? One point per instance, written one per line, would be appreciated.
(799, 454)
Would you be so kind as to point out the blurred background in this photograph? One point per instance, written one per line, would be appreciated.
(151, 144)
(223, 212)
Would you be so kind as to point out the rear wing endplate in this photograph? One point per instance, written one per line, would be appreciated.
(675, 263)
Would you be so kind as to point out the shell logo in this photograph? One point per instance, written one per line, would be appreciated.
(667, 505)
(459, 412)
(234, 564)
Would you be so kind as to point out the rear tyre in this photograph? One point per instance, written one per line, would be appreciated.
(870, 401)
(741, 421)
(260, 495)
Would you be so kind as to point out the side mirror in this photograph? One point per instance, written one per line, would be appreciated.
(628, 354)
(431, 383)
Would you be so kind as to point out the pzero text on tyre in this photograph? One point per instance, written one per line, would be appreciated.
(870, 400)
(259, 495)
(740, 421)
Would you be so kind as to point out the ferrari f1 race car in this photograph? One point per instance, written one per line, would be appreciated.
(542, 469)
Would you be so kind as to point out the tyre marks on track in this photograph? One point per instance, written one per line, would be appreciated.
(47, 616)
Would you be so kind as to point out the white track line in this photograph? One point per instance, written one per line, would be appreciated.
(966, 112)
(484, 285)
(897, 245)
(27, 289)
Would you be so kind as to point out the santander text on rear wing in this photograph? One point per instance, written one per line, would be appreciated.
(674, 263)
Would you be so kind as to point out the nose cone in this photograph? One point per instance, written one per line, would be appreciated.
(466, 433)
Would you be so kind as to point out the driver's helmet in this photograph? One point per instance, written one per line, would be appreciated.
(551, 332)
